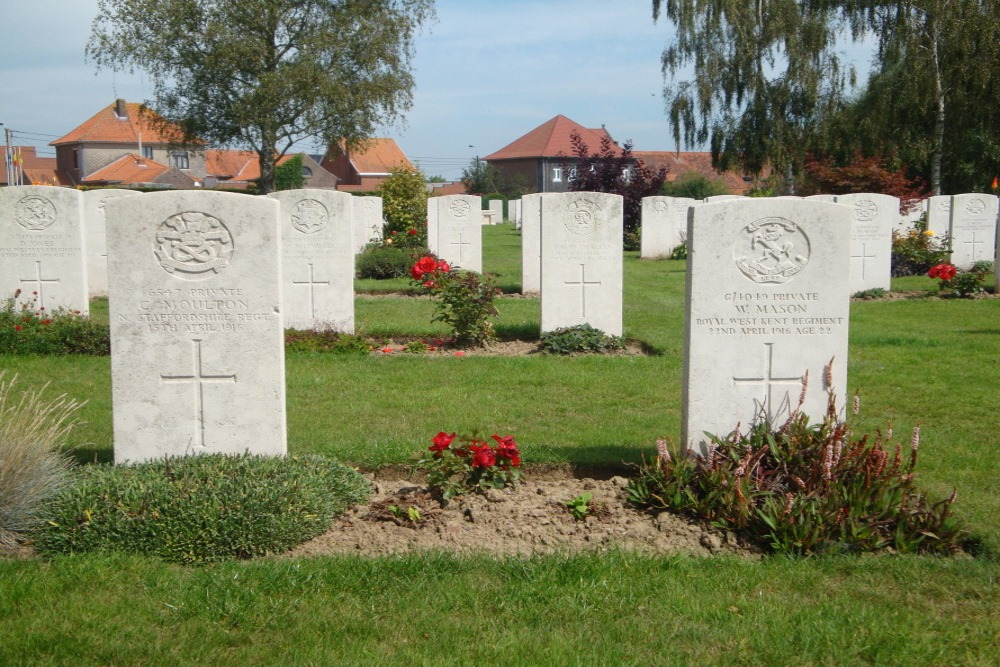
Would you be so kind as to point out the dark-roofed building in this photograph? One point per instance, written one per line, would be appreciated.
(540, 157)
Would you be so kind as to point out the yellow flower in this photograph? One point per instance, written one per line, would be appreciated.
(928, 233)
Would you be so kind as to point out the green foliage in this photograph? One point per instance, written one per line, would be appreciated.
(804, 488)
(27, 328)
(264, 73)
(464, 299)
(581, 338)
(962, 284)
(326, 342)
(868, 294)
(288, 174)
(482, 178)
(472, 464)
(381, 262)
(32, 431)
(916, 251)
(404, 206)
(579, 506)
(694, 186)
(860, 174)
(199, 509)
(679, 252)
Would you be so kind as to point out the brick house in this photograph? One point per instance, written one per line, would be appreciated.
(364, 168)
(540, 157)
(119, 130)
(36, 170)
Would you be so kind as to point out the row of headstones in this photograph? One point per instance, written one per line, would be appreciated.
(54, 243)
(574, 261)
(969, 220)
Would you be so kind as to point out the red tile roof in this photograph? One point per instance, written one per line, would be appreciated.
(680, 164)
(128, 169)
(378, 155)
(37, 170)
(106, 126)
(228, 164)
(551, 139)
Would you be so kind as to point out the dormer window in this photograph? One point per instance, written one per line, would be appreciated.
(179, 160)
(306, 172)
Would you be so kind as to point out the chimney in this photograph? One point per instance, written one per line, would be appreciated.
(120, 109)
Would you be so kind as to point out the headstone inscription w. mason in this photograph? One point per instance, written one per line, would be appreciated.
(766, 304)
(42, 247)
(197, 338)
(582, 261)
(317, 247)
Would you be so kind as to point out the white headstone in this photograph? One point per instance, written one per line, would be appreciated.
(432, 223)
(368, 223)
(460, 232)
(317, 247)
(496, 205)
(514, 212)
(42, 247)
(96, 232)
(582, 261)
(829, 198)
(939, 215)
(766, 303)
(973, 229)
(875, 216)
(197, 346)
(908, 220)
(718, 198)
(664, 225)
(531, 244)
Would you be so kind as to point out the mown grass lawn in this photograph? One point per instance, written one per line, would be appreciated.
(930, 362)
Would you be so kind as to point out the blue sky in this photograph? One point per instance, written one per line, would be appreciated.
(486, 72)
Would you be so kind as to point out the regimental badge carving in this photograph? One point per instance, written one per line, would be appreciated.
(581, 216)
(660, 206)
(771, 250)
(193, 246)
(681, 205)
(975, 206)
(865, 210)
(35, 213)
(369, 204)
(309, 216)
(102, 209)
(945, 206)
(459, 208)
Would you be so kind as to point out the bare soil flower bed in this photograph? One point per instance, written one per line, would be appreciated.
(530, 519)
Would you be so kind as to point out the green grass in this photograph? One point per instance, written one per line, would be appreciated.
(929, 362)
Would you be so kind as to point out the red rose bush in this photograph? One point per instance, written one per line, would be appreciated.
(470, 464)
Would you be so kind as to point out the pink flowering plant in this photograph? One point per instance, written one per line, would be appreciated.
(464, 299)
(459, 464)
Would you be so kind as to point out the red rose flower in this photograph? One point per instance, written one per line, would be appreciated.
(942, 271)
(442, 441)
(429, 284)
(412, 232)
(483, 456)
(443, 266)
(17, 327)
(427, 264)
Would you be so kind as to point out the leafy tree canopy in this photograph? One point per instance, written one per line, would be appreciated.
(264, 74)
(481, 178)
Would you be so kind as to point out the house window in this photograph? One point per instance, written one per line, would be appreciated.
(179, 160)
(572, 173)
(147, 152)
(306, 172)
(626, 174)
(76, 158)
(557, 174)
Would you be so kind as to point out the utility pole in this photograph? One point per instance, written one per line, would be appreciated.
(8, 159)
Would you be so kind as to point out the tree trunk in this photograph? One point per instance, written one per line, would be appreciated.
(789, 180)
(937, 155)
(266, 159)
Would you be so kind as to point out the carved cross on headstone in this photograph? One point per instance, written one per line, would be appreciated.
(973, 251)
(582, 283)
(461, 247)
(768, 380)
(863, 257)
(312, 283)
(39, 282)
(199, 378)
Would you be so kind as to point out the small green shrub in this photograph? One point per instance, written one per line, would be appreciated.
(868, 294)
(961, 284)
(381, 262)
(199, 509)
(404, 205)
(464, 299)
(679, 252)
(32, 468)
(325, 341)
(801, 489)
(27, 328)
(579, 338)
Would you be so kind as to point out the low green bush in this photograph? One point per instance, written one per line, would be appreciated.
(32, 468)
(916, 251)
(870, 293)
(802, 488)
(579, 338)
(325, 341)
(381, 262)
(27, 328)
(199, 509)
